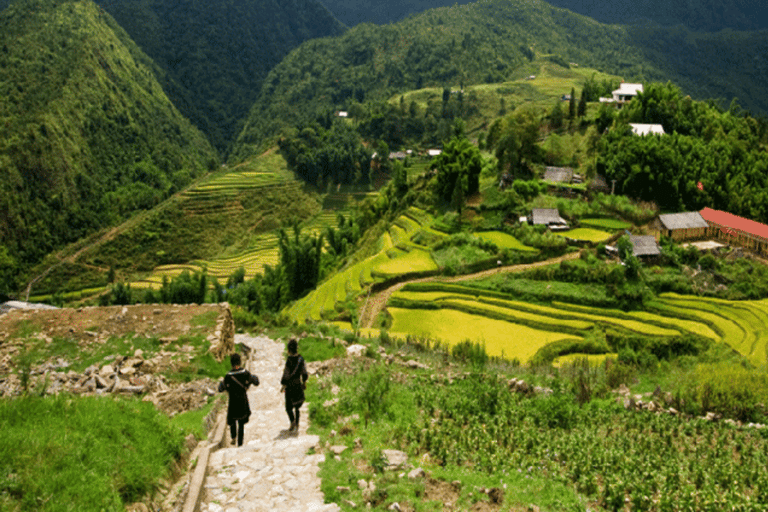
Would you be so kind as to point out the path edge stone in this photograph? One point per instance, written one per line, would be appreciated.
(192, 502)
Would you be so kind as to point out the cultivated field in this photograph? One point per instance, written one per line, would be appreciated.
(516, 329)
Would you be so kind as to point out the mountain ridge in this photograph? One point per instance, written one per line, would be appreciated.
(88, 135)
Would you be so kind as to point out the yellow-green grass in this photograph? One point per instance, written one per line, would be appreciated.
(558, 311)
(691, 326)
(414, 261)
(425, 296)
(602, 223)
(504, 240)
(720, 316)
(593, 359)
(398, 234)
(585, 234)
(517, 314)
(614, 317)
(501, 338)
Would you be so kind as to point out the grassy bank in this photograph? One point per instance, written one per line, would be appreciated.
(85, 454)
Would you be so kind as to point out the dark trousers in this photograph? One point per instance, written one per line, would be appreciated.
(237, 430)
(293, 413)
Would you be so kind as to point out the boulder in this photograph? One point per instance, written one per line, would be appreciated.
(394, 458)
(356, 350)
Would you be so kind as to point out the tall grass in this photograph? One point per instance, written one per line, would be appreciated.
(85, 454)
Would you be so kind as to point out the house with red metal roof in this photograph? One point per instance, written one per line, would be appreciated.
(737, 230)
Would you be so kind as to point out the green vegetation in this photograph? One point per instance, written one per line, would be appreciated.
(695, 146)
(213, 57)
(88, 135)
(555, 450)
(59, 452)
(586, 234)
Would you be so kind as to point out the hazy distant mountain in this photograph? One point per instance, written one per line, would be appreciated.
(706, 15)
(702, 15)
(87, 134)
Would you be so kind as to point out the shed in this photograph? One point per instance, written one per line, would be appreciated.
(680, 226)
(643, 246)
(549, 217)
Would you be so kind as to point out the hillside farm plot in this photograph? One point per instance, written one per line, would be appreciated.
(416, 260)
(504, 241)
(586, 235)
(501, 338)
(605, 224)
(743, 325)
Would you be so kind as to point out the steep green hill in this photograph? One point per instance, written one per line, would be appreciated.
(489, 42)
(216, 54)
(87, 136)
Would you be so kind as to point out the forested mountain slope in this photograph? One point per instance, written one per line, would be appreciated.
(217, 53)
(491, 42)
(87, 134)
(705, 15)
(212, 56)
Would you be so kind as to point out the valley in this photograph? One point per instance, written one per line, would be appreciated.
(523, 250)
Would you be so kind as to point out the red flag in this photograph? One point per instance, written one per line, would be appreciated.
(700, 186)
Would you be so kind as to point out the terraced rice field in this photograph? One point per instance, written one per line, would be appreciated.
(501, 338)
(586, 234)
(605, 224)
(504, 241)
(742, 325)
(397, 255)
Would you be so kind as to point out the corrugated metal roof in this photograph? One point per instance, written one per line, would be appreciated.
(644, 246)
(734, 221)
(546, 216)
(684, 220)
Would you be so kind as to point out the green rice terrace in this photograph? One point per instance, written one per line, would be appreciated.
(516, 329)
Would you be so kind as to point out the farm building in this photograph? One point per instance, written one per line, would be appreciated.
(624, 94)
(680, 226)
(558, 174)
(644, 246)
(549, 217)
(737, 230)
(647, 129)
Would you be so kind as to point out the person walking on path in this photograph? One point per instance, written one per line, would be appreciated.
(236, 383)
(294, 383)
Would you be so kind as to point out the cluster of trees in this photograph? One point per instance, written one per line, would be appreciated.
(709, 156)
(327, 155)
(514, 138)
(458, 172)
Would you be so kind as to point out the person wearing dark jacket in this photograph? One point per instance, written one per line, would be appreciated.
(294, 383)
(236, 383)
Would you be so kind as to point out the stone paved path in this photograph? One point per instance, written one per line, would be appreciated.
(271, 471)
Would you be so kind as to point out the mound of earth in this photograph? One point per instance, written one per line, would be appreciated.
(134, 373)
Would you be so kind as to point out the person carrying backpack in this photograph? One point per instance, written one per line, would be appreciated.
(294, 383)
(236, 383)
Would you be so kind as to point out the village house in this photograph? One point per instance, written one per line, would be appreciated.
(624, 94)
(647, 129)
(549, 217)
(736, 230)
(680, 226)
